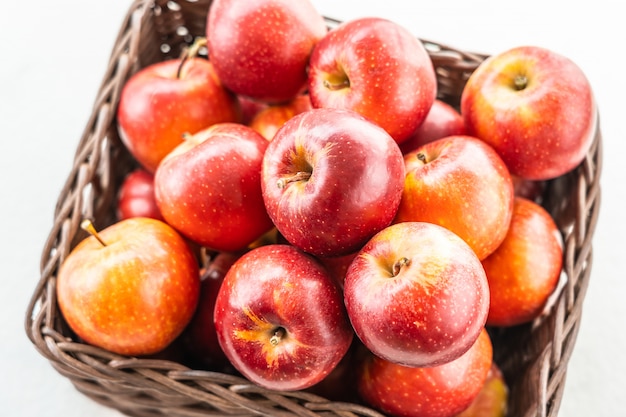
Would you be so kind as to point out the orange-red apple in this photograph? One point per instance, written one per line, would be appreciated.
(166, 100)
(131, 288)
(460, 183)
(524, 270)
(535, 107)
(209, 187)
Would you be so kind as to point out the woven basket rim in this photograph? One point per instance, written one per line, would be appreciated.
(135, 385)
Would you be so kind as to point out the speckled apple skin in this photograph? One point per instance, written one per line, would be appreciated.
(430, 311)
(276, 286)
(135, 295)
(541, 131)
(357, 176)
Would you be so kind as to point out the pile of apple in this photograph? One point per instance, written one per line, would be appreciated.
(307, 213)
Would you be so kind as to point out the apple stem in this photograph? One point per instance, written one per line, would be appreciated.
(344, 83)
(520, 82)
(87, 226)
(400, 263)
(421, 157)
(278, 335)
(191, 52)
(297, 176)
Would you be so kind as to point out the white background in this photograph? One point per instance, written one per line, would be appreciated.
(53, 56)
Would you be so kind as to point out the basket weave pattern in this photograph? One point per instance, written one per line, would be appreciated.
(533, 357)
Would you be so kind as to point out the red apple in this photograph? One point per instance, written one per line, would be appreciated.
(209, 187)
(136, 196)
(525, 269)
(492, 399)
(331, 179)
(280, 318)
(269, 120)
(261, 49)
(377, 68)
(442, 120)
(200, 337)
(416, 295)
(164, 101)
(461, 183)
(131, 288)
(437, 391)
(535, 107)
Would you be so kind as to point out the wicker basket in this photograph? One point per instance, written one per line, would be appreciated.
(533, 357)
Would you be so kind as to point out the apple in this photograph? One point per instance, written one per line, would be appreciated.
(136, 196)
(416, 294)
(535, 107)
(269, 120)
(437, 391)
(377, 68)
(460, 183)
(200, 337)
(280, 318)
(164, 101)
(525, 269)
(131, 288)
(261, 49)
(209, 187)
(331, 179)
(442, 120)
(492, 399)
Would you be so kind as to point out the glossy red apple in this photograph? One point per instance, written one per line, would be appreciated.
(460, 183)
(416, 295)
(131, 288)
(280, 318)
(535, 107)
(166, 100)
(269, 120)
(209, 187)
(442, 120)
(261, 49)
(525, 269)
(331, 179)
(377, 68)
(136, 196)
(436, 391)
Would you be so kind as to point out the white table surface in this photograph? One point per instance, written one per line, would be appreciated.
(53, 57)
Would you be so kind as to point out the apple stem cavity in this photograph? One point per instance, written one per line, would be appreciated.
(297, 176)
(191, 52)
(398, 265)
(88, 226)
(336, 83)
(520, 82)
(278, 335)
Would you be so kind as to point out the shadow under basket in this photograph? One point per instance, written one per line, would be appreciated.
(533, 357)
